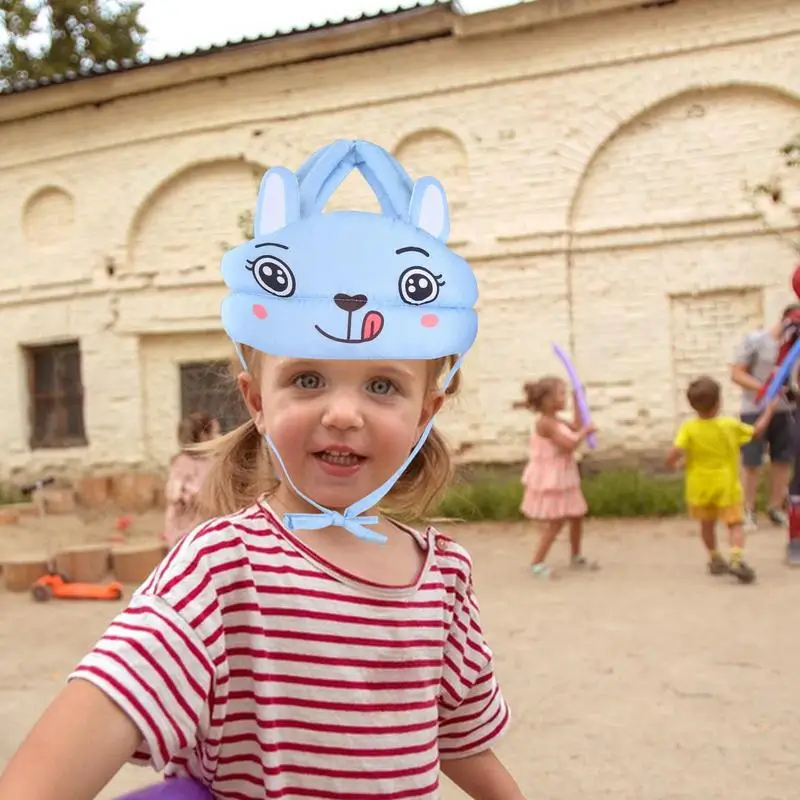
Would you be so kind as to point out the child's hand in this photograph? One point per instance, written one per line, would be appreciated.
(674, 457)
(589, 429)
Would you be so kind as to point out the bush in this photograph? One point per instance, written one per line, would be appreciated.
(10, 494)
(496, 495)
(483, 498)
(630, 493)
(611, 493)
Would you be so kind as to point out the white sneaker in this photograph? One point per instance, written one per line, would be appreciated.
(542, 572)
(750, 523)
(777, 516)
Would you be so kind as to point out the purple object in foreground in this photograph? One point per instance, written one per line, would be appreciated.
(171, 789)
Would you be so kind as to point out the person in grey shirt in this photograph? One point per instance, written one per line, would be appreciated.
(753, 362)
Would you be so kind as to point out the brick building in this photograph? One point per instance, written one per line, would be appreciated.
(594, 153)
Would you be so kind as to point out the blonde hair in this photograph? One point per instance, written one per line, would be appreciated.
(537, 392)
(242, 469)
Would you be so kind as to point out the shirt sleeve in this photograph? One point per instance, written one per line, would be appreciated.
(682, 437)
(472, 712)
(744, 432)
(159, 658)
(744, 351)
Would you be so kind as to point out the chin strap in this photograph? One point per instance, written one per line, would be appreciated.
(350, 519)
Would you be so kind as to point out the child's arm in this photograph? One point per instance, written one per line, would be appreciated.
(674, 456)
(762, 423)
(563, 437)
(482, 777)
(679, 446)
(78, 745)
(139, 694)
(577, 422)
(473, 714)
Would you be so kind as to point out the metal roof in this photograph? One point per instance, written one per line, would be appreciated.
(109, 67)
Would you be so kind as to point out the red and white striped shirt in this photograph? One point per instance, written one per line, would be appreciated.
(262, 670)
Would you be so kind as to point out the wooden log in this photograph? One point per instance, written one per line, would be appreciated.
(13, 512)
(93, 491)
(20, 573)
(133, 563)
(27, 509)
(58, 500)
(84, 564)
(133, 491)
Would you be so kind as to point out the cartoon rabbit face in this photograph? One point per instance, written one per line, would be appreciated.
(349, 284)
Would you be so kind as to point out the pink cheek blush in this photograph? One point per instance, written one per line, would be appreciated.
(259, 311)
(429, 320)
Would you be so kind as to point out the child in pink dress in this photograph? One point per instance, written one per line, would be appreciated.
(186, 474)
(552, 483)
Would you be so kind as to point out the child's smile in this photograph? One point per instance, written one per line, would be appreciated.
(339, 462)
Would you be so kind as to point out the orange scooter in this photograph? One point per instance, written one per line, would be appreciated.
(57, 586)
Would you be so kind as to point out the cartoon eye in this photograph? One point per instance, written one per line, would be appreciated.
(419, 286)
(273, 276)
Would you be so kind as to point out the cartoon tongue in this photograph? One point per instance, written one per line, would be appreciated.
(371, 326)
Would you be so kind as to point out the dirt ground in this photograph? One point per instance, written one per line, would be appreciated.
(648, 680)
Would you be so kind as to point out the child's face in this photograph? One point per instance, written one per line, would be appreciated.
(342, 427)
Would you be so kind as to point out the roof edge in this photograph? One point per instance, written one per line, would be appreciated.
(533, 13)
(337, 39)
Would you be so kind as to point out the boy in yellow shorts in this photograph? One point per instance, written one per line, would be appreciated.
(710, 445)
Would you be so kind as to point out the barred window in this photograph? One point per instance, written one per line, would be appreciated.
(208, 386)
(55, 387)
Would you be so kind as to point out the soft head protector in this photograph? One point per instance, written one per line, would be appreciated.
(350, 284)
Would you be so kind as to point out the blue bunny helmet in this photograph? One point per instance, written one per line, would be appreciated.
(349, 284)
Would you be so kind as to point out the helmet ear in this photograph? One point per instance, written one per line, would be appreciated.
(278, 203)
(428, 210)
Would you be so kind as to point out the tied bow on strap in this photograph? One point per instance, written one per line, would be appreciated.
(350, 521)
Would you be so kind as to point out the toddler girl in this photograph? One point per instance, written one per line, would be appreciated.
(552, 483)
(302, 643)
(186, 475)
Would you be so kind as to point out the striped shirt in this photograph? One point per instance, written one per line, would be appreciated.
(264, 671)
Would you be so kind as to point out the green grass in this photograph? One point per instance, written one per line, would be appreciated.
(9, 495)
(484, 498)
(630, 493)
(609, 493)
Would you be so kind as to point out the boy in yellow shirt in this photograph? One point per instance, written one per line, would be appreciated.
(710, 445)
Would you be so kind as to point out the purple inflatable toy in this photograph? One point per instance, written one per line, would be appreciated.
(580, 392)
(171, 789)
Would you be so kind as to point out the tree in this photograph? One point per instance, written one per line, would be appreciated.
(43, 38)
(777, 199)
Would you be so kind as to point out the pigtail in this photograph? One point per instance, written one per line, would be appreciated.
(240, 470)
(239, 474)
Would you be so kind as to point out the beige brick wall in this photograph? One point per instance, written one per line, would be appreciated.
(595, 168)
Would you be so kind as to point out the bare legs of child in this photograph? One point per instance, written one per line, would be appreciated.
(550, 530)
(716, 563)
